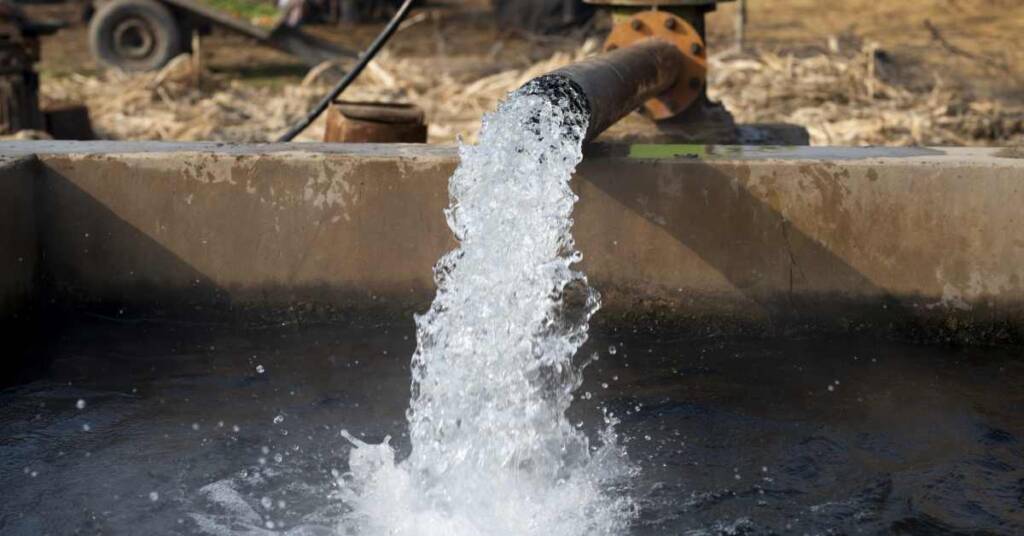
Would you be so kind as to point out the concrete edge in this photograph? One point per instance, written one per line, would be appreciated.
(1003, 156)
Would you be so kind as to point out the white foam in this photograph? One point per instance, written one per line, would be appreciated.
(494, 372)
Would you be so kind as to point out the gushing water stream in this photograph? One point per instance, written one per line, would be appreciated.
(494, 370)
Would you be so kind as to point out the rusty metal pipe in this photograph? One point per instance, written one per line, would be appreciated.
(620, 81)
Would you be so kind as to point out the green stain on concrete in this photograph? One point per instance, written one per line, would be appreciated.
(658, 151)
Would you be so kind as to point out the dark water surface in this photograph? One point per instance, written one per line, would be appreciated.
(181, 433)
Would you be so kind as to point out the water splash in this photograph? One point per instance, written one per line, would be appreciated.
(494, 371)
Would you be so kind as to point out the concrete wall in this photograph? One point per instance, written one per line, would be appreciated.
(243, 229)
(18, 248)
(18, 263)
(926, 242)
(721, 238)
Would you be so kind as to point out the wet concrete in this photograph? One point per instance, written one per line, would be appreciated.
(19, 259)
(770, 240)
(17, 234)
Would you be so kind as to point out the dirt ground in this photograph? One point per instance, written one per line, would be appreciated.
(934, 58)
(972, 44)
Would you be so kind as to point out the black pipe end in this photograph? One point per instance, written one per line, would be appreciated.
(566, 94)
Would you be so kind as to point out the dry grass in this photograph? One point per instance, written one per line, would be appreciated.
(843, 99)
(453, 107)
(854, 99)
(172, 105)
(176, 104)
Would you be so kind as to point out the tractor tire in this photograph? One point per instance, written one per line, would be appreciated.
(134, 35)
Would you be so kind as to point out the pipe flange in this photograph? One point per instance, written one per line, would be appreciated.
(666, 26)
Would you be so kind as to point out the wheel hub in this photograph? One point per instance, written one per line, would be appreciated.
(133, 38)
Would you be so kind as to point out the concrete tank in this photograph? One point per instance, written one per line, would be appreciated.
(917, 242)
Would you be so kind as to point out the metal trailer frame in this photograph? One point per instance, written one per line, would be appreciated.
(196, 15)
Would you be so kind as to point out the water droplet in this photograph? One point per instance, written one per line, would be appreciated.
(80, 404)
(831, 388)
(267, 503)
(86, 427)
(154, 496)
(260, 369)
(612, 349)
(279, 419)
(195, 426)
(236, 429)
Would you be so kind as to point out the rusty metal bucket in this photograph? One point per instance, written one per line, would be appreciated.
(375, 122)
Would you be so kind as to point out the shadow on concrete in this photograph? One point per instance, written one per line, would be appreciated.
(752, 245)
(82, 242)
(95, 262)
(19, 300)
(93, 258)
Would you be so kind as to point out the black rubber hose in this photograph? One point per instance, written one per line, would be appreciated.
(350, 77)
